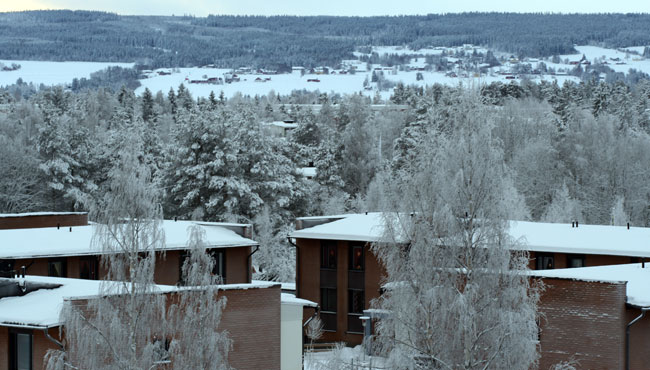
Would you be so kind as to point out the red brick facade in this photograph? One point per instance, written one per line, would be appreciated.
(251, 317)
(167, 266)
(582, 321)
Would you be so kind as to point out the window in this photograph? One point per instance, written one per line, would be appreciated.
(544, 261)
(328, 292)
(7, 268)
(219, 268)
(20, 350)
(575, 260)
(328, 255)
(356, 303)
(57, 268)
(356, 258)
(88, 268)
(328, 308)
(328, 299)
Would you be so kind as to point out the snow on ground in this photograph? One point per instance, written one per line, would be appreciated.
(280, 83)
(637, 49)
(342, 358)
(52, 73)
(628, 61)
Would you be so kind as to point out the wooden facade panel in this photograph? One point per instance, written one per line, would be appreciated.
(238, 265)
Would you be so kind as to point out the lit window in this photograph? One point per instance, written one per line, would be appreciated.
(356, 258)
(328, 255)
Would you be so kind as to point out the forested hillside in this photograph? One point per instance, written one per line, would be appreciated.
(280, 42)
(574, 152)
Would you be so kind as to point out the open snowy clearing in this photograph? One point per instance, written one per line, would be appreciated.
(286, 83)
(52, 73)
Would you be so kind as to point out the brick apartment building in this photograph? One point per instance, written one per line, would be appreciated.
(30, 323)
(61, 245)
(62, 263)
(336, 268)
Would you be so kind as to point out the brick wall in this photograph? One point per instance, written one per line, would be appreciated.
(584, 321)
(561, 259)
(308, 283)
(251, 317)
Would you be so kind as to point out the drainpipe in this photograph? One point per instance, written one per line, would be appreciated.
(48, 336)
(297, 269)
(248, 264)
(627, 336)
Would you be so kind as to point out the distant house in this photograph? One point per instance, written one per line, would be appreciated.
(61, 245)
(280, 128)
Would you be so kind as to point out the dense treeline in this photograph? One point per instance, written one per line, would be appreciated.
(282, 41)
(576, 151)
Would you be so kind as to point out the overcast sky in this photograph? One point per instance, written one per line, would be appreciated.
(330, 7)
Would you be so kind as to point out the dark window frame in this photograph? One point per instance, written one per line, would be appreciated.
(93, 267)
(328, 255)
(571, 257)
(542, 260)
(64, 267)
(361, 266)
(219, 268)
(13, 347)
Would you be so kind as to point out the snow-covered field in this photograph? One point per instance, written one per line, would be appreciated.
(52, 73)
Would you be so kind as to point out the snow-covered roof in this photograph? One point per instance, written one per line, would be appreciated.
(42, 308)
(307, 171)
(283, 124)
(291, 299)
(533, 236)
(357, 227)
(50, 241)
(30, 214)
(584, 239)
(637, 278)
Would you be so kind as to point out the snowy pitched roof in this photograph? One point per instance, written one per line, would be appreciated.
(533, 236)
(637, 278)
(50, 241)
(357, 227)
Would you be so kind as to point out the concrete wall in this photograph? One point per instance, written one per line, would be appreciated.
(291, 337)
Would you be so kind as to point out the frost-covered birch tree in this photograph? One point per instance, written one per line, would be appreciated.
(456, 294)
(131, 324)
